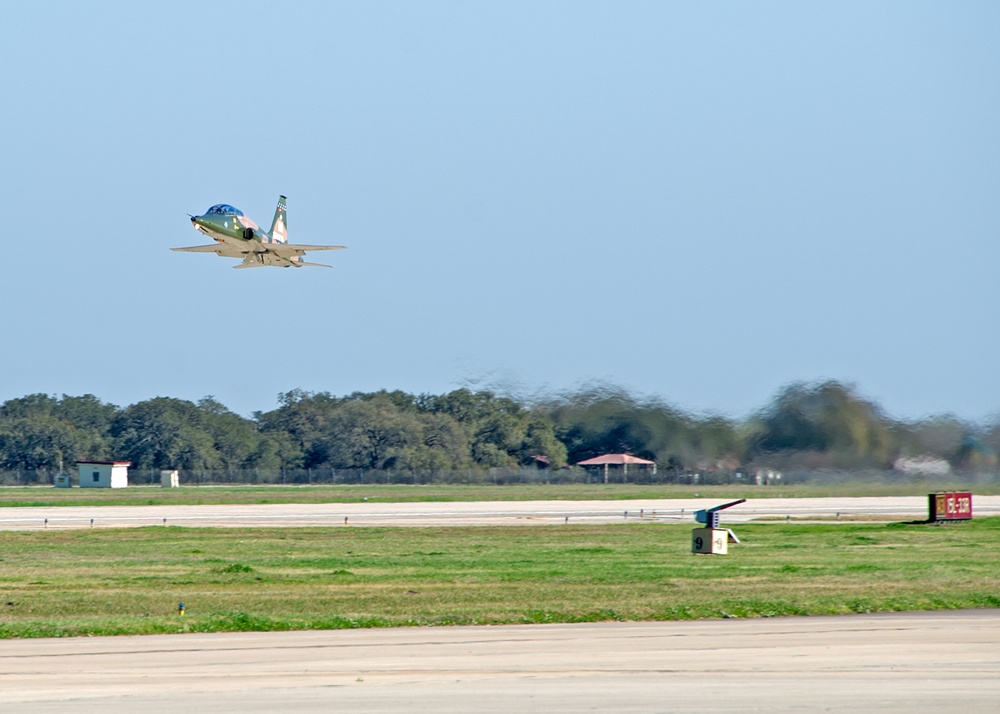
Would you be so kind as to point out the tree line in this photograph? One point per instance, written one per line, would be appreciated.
(806, 425)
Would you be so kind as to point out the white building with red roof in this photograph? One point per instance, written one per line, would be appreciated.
(103, 474)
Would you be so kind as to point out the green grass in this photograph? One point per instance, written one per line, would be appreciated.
(130, 581)
(26, 496)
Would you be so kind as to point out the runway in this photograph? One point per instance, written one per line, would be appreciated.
(896, 662)
(473, 513)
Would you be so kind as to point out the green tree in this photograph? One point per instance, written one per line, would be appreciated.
(274, 450)
(371, 434)
(605, 419)
(86, 413)
(92, 419)
(235, 439)
(501, 432)
(38, 442)
(829, 418)
(444, 445)
(540, 440)
(164, 433)
(941, 436)
(29, 406)
(42, 432)
(303, 417)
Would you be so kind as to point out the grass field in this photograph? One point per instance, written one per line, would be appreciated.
(28, 496)
(130, 581)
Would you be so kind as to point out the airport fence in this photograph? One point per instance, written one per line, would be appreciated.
(510, 476)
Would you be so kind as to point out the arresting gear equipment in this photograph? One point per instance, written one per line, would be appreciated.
(712, 539)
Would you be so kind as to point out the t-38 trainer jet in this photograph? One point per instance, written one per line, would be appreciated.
(236, 236)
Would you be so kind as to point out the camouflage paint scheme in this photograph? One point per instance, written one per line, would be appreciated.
(237, 236)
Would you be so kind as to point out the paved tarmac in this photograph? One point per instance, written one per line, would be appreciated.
(900, 662)
(896, 662)
(472, 513)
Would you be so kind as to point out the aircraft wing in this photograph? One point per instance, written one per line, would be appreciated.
(284, 253)
(218, 248)
(287, 250)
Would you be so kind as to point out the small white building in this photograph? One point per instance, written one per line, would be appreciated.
(926, 465)
(103, 474)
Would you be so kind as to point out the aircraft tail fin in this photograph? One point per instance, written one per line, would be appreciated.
(279, 226)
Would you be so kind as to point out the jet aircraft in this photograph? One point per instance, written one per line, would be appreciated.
(236, 236)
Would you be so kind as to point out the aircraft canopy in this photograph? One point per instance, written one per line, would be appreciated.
(222, 208)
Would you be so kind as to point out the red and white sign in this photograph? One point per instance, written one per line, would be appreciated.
(950, 506)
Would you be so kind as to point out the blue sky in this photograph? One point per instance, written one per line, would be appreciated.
(697, 201)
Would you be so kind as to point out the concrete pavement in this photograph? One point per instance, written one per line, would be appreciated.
(470, 513)
(895, 662)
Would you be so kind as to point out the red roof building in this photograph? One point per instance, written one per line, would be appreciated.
(622, 460)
